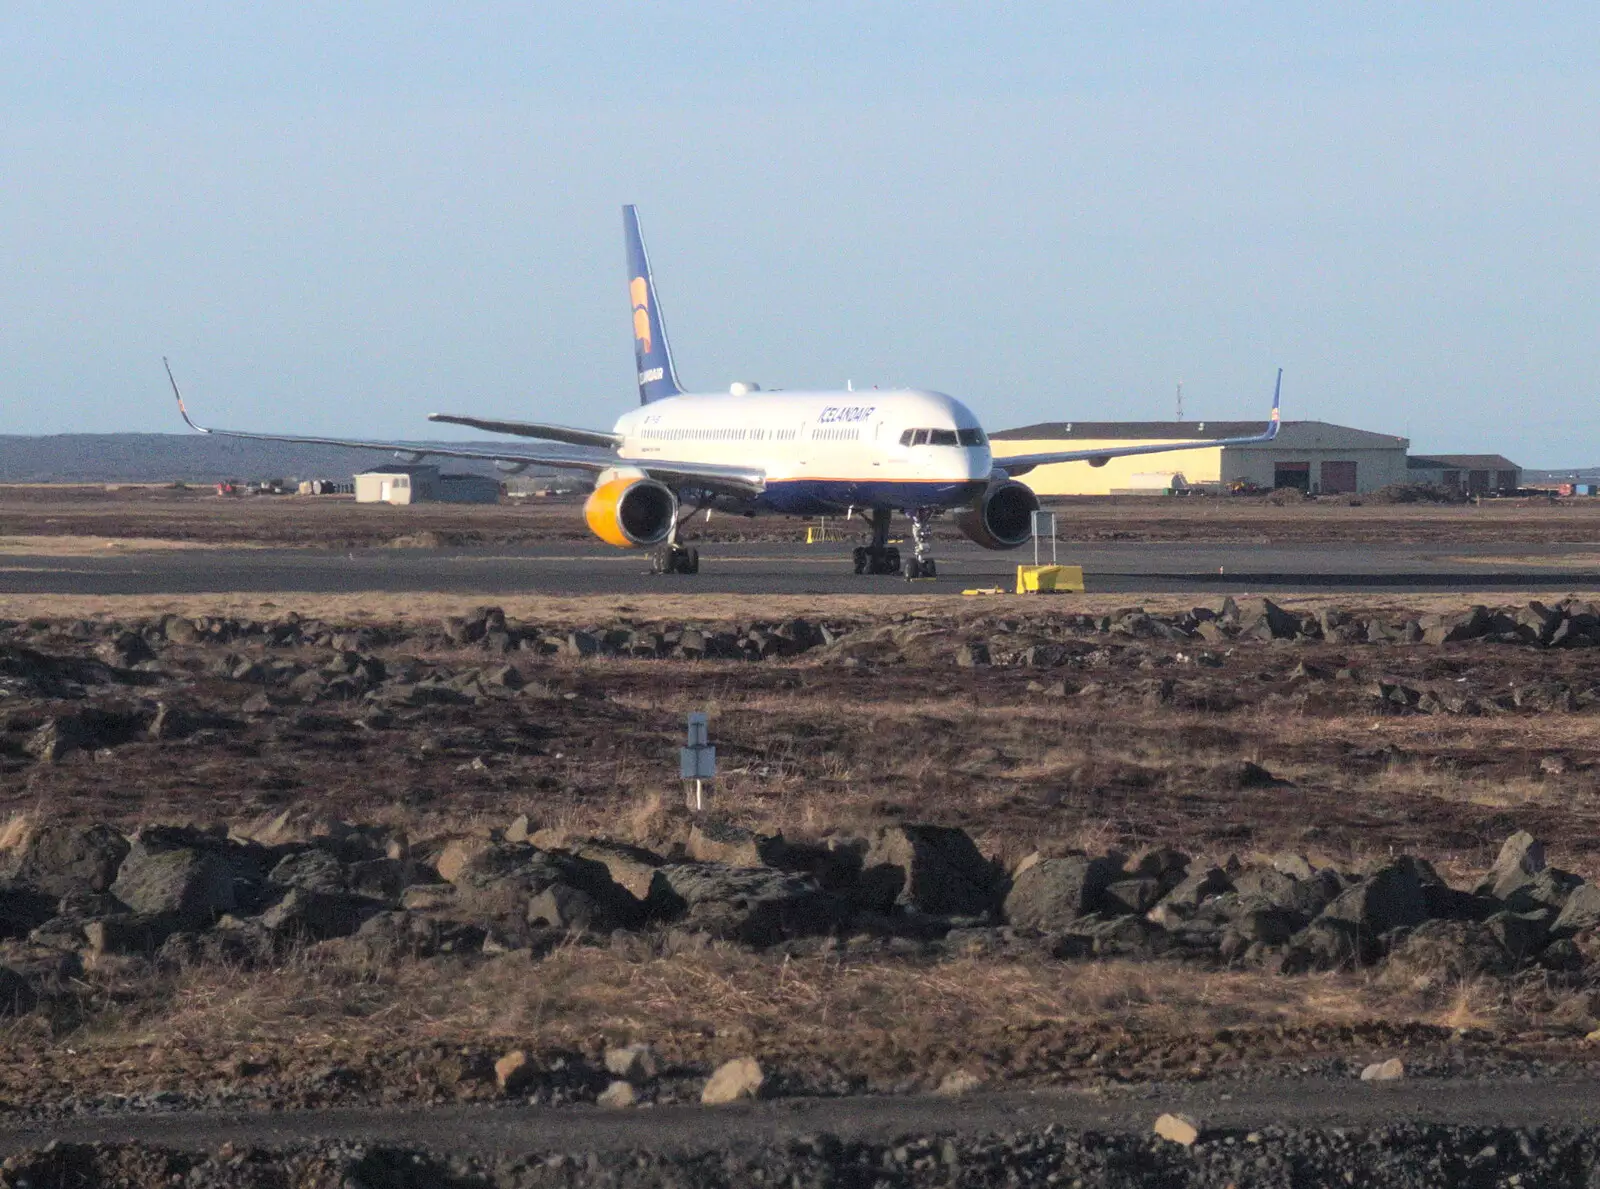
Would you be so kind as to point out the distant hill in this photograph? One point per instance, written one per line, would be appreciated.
(1562, 475)
(198, 458)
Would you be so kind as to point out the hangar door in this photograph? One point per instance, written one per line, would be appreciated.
(1292, 474)
(1338, 477)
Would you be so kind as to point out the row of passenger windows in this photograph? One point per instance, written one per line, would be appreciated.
(942, 437)
(661, 434)
(911, 437)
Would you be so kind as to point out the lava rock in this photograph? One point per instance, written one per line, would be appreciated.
(714, 841)
(935, 870)
(734, 1080)
(1451, 951)
(561, 907)
(314, 870)
(59, 858)
(753, 905)
(1521, 858)
(1581, 911)
(311, 915)
(191, 886)
(1390, 898)
(1053, 893)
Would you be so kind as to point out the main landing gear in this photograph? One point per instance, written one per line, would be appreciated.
(880, 557)
(673, 557)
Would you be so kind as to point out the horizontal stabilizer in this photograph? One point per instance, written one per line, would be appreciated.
(536, 429)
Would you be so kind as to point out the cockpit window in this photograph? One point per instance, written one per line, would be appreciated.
(943, 437)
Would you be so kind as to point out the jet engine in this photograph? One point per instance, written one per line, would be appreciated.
(1002, 517)
(631, 512)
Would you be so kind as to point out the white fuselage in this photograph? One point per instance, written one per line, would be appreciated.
(821, 451)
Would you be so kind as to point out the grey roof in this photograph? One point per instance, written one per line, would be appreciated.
(1307, 435)
(1461, 462)
(402, 468)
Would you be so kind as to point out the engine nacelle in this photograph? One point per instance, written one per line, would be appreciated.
(1002, 517)
(631, 512)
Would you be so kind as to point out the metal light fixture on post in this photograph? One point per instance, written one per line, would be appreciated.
(1043, 524)
(697, 763)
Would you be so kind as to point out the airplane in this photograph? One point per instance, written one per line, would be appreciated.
(867, 453)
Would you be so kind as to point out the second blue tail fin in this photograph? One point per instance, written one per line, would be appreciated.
(651, 352)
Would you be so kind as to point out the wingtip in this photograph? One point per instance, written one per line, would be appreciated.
(182, 411)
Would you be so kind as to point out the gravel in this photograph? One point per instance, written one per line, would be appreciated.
(1398, 1155)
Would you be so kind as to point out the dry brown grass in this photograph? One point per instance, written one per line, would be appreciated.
(698, 1008)
(74, 546)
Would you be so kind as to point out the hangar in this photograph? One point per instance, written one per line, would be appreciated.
(1470, 474)
(1314, 456)
(414, 484)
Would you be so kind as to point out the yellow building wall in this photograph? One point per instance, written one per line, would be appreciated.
(1203, 465)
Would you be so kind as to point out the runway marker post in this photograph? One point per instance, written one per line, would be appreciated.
(697, 763)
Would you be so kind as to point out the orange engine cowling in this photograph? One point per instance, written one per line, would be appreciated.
(631, 513)
(1002, 517)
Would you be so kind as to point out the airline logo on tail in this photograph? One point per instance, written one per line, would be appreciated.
(639, 290)
(651, 351)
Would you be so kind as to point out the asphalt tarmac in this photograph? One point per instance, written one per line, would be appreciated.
(573, 568)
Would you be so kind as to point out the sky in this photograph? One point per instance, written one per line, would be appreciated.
(338, 218)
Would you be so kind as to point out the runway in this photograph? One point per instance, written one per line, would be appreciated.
(574, 568)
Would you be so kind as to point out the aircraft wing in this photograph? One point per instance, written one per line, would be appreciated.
(1021, 464)
(536, 429)
(732, 480)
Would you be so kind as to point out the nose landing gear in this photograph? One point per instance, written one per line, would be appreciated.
(880, 557)
(921, 564)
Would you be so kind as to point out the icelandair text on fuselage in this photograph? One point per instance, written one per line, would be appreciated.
(654, 373)
(845, 413)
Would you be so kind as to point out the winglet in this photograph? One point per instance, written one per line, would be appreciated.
(1275, 421)
(183, 412)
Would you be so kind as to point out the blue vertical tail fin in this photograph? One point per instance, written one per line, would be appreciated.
(651, 352)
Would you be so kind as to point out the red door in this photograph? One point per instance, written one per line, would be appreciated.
(1338, 477)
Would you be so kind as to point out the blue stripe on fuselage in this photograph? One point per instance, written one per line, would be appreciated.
(817, 497)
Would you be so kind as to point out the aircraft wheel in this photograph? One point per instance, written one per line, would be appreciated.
(691, 562)
(913, 569)
(860, 559)
(929, 570)
(891, 560)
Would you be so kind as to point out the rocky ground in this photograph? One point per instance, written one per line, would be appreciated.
(1399, 1155)
(284, 861)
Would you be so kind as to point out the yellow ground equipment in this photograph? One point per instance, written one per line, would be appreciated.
(1049, 579)
(1052, 578)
